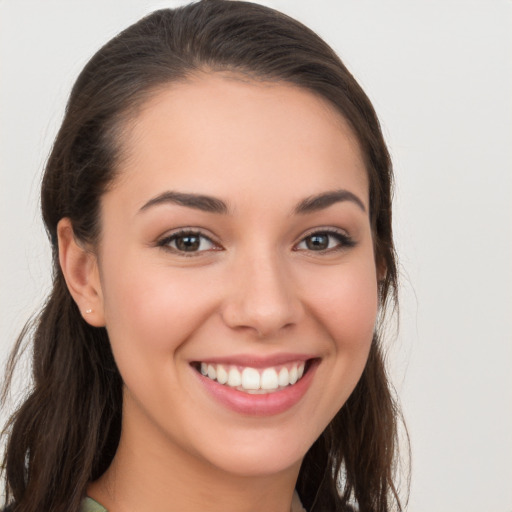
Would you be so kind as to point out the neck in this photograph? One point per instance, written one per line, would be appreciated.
(149, 472)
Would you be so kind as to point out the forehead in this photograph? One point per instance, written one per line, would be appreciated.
(218, 130)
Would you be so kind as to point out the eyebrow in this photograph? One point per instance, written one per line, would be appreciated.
(214, 205)
(326, 199)
(197, 201)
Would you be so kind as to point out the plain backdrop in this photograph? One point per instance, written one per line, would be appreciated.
(439, 73)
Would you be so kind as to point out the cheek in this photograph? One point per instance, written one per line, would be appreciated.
(346, 304)
(154, 309)
(149, 316)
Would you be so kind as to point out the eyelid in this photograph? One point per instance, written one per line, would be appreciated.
(164, 241)
(345, 240)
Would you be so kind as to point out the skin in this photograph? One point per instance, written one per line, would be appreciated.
(256, 288)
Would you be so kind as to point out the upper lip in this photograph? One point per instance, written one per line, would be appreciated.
(256, 361)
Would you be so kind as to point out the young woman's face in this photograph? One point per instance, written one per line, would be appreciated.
(236, 242)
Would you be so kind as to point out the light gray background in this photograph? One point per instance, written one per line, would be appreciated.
(439, 73)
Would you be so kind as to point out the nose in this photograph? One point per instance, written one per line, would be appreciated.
(262, 297)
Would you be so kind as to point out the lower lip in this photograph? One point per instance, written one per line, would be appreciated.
(266, 404)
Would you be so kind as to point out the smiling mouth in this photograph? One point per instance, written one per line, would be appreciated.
(255, 380)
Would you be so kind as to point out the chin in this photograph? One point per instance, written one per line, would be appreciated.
(260, 464)
(261, 455)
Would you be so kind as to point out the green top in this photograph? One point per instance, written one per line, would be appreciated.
(89, 505)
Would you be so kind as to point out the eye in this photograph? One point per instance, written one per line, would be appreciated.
(325, 240)
(187, 241)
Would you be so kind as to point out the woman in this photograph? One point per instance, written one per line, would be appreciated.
(218, 201)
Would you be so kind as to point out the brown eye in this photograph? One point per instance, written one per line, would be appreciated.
(317, 242)
(324, 241)
(187, 242)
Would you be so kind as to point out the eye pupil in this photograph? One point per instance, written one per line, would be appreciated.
(188, 243)
(317, 242)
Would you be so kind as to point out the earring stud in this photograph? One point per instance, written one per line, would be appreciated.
(88, 311)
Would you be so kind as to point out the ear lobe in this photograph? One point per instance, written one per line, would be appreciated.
(80, 269)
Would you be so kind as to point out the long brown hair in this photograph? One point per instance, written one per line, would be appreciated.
(66, 432)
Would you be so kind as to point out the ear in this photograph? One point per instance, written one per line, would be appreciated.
(80, 268)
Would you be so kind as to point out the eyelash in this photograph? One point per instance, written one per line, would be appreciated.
(165, 243)
(343, 240)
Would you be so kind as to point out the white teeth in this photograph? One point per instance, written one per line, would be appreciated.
(234, 378)
(292, 375)
(212, 372)
(269, 379)
(283, 378)
(252, 380)
(222, 374)
(300, 370)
